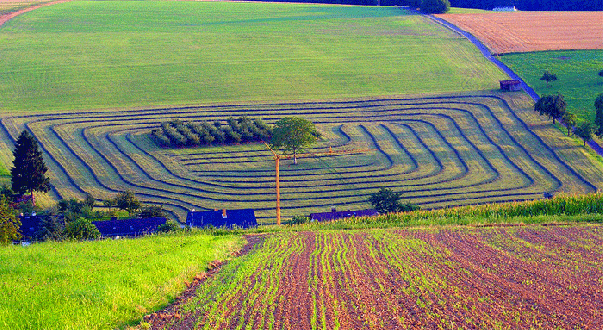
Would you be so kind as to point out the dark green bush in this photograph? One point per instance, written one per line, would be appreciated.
(81, 229)
(435, 6)
(170, 225)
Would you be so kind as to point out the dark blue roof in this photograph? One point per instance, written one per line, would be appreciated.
(223, 218)
(29, 225)
(327, 216)
(128, 227)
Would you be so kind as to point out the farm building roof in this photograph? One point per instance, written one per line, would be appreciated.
(510, 85)
(29, 225)
(128, 227)
(327, 216)
(222, 218)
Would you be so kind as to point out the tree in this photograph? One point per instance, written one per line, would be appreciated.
(152, 211)
(127, 201)
(548, 77)
(386, 201)
(293, 134)
(569, 120)
(28, 171)
(81, 229)
(599, 114)
(89, 201)
(435, 6)
(551, 105)
(601, 73)
(168, 226)
(9, 223)
(52, 228)
(413, 4)
(585, 131)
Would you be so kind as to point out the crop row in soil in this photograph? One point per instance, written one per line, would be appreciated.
(438, 151)
(486, 278)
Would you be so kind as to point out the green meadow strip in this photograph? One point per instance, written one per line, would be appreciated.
(100, 284)
(577, 72)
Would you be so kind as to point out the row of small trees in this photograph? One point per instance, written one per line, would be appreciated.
(178, 134)
(554, 106)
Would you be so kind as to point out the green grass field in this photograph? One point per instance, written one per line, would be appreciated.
(577, 72)
(102, 54)
(101, 284)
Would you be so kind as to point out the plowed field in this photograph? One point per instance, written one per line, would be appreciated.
(518, 32)
(486, 278)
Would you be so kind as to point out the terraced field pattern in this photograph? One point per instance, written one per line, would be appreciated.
(437, 150)
(470, 278)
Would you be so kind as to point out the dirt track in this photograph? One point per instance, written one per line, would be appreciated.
(6, 17)
(533, 31)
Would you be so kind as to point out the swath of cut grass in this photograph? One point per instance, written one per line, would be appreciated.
(100, 284)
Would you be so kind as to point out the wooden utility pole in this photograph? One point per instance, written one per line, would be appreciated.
(277, 159)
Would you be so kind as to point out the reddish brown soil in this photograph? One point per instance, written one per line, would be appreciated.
(474, 278)
(533, 31)
(5, 17)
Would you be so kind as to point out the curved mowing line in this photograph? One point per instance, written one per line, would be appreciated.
(324, 191)
(431, 190)
(520, 146)
(414, 165)
(94, 176)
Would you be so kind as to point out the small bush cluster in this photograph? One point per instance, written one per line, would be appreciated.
(434, 6)
(178, 134)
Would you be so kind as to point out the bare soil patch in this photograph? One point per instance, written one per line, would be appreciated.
(517, 32)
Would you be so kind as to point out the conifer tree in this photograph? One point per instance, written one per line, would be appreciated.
(29, 171)
(599, 115)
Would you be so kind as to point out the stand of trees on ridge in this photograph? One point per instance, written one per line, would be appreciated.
(554, 107)
(178, 134)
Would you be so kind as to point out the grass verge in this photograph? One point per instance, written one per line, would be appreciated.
(100, 284)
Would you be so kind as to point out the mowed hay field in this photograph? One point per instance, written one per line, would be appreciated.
(577, 71)
(518, 32)
(86, 55)
(436, 150)
(486, 278)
